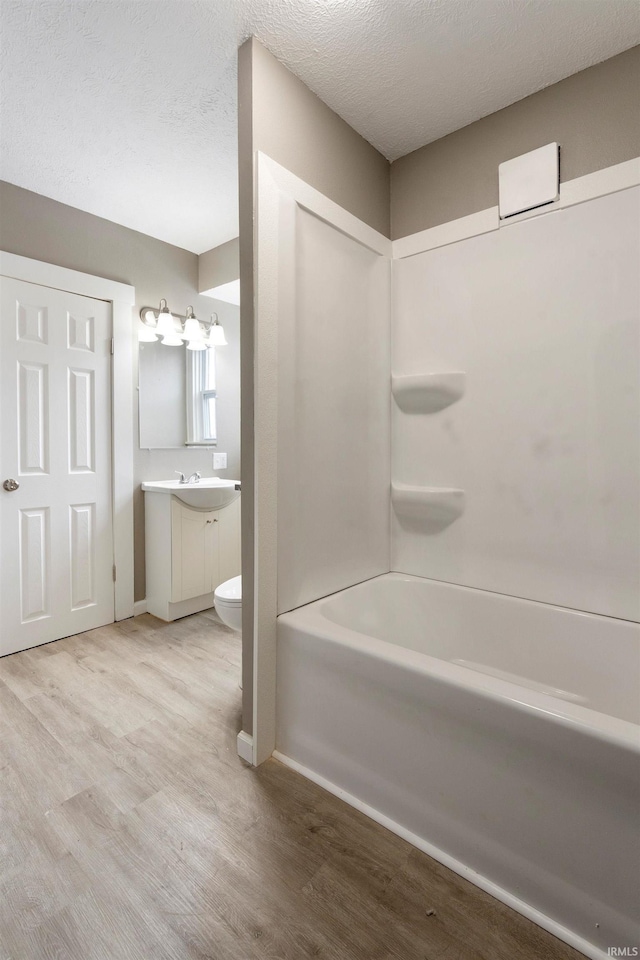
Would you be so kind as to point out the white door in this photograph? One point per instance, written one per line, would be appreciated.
(56, 536)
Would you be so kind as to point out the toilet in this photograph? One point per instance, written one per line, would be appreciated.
(227, 599)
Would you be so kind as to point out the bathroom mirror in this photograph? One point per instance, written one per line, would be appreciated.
(176, 397)
(162, 414)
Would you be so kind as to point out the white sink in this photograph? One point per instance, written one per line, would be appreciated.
(209, 493)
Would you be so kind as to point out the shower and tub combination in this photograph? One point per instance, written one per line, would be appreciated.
(491, 732)
(458, 517)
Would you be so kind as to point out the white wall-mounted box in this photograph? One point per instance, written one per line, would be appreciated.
(529, 181)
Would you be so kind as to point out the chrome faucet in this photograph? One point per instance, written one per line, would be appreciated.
(194, 478)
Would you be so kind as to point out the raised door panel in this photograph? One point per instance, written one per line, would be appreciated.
(35, 564)
(82, 420)
(83, 554)
(33, 418)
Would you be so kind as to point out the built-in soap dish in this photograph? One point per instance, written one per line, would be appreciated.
(427, 392)
(434, 507)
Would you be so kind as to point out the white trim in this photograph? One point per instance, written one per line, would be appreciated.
(244, 745)
(478, 879)
(610, 180)
(621, 176)
(122, 297)
(445, 233)
(324, 208)
(50, 275)
(139, 607)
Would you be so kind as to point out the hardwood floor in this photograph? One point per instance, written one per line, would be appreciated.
(130, 830)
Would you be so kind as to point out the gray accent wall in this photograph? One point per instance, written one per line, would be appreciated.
(594, 116)
(35, 226)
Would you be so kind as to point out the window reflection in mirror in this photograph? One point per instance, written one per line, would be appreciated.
(201, 396)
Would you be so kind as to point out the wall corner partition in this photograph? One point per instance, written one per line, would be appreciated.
(280, 117)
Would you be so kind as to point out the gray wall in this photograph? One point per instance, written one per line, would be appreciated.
(293, 126)
(219, 265)
(594, 116)
(34, 226)
(280, 116)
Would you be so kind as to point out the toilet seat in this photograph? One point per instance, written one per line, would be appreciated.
(227, 599)
(229, 593)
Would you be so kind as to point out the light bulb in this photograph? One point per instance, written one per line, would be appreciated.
(216, 336)
(166, 326)
(192, 330)
(196, 345)
(166, 329)
(173, 341)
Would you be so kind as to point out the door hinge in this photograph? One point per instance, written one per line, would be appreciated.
(112, 346)
(114, 573)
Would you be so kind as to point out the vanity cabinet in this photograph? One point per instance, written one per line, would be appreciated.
(189, 551)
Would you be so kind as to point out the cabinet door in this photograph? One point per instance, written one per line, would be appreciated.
(229, 540)
(194, 552)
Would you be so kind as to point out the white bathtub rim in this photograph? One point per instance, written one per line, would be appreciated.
(601, 726)
(468, 873)
(511, 597)
(397, 575)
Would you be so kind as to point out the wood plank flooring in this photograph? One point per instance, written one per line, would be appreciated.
(130, 830)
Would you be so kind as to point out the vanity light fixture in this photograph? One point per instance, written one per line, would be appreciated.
(161, 323)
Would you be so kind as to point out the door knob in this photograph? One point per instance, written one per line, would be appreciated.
(11, 485)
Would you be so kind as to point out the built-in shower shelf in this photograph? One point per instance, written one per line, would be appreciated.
(427, 392)
(436, 507)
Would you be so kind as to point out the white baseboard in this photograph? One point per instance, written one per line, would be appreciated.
(139, 607)
(244, 745)
(541, 919)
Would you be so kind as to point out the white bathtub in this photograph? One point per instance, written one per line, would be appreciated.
(499, 735)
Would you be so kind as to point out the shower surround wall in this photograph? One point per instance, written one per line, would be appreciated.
(515, 448)
(539, 318)
(333, 443)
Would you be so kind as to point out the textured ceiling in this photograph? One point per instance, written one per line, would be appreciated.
(126, 108)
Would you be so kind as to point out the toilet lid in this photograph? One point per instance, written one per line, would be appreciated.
(230, 591)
